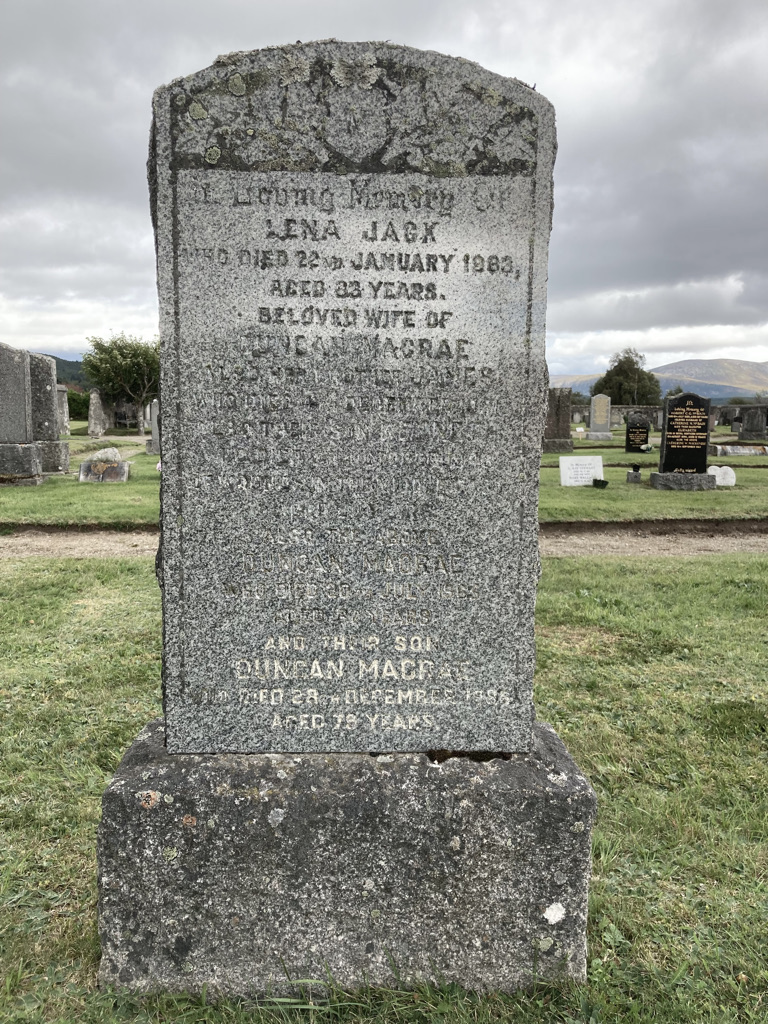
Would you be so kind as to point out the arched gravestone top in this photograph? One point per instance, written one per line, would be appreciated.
(352, 247)
(355, 108)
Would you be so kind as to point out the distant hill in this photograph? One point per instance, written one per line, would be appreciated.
(710, 378)
(70, 371)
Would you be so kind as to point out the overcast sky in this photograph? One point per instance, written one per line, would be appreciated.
(661, 183)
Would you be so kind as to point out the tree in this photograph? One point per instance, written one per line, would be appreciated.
(626, 382)
(124, 367)
(674, 391)
(577, 398)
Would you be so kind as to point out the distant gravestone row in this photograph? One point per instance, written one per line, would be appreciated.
(29, 418)
(352, 260)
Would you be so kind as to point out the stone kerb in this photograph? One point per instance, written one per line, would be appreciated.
(351, 249)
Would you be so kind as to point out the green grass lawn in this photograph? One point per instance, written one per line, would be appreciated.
(62, 501)
(622, 502)
(652, 671)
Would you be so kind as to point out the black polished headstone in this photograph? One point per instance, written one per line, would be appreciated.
(638, 429)
(685, 434)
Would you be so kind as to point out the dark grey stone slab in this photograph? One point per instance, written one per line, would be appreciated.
(15, 403)
(634, 478)
(55, 456)
(753, 423)
(21, 464)
(230, 870)
(682, 481)
(42, 382)
(352, 280)
(557, 428)
(104, 472)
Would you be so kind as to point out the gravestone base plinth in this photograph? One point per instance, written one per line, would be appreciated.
(557, 444)
(21, 464)
(599, 435)
(239, 872)
(682, 481)
(634, 478)
(55, 456)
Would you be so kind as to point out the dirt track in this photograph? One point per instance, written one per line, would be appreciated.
(636, 539)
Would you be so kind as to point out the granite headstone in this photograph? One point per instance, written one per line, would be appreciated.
(370, 348)
(557, 429)
(580, 470)
(45, 414)
(684, 445)
(101, 416)
(600, 419)
(62, 405)
(351, 247)
(753, 423)
(20, 455)
(153, 444)
(638, 432)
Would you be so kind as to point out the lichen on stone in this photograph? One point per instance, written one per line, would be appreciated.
(197, 111)
(362, 73)
(294, 68)
(236, 84)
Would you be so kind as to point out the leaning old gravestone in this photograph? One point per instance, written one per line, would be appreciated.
(557, 427)
(600, 419)
(684, 444)
(62, 407)
(638, 431)
(352, 248)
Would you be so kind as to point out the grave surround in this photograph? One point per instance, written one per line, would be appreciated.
(351, 244)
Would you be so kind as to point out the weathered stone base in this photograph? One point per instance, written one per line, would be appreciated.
(682, 481)
(599, 435)
(557, 444)
(230, 870)
(752, 435)
(21, 464)
(634, 478)
(55, 455)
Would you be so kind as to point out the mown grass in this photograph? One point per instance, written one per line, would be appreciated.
(64, 502)
(654, 673)
(623, 502)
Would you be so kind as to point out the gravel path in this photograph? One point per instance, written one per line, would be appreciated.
(636, 539)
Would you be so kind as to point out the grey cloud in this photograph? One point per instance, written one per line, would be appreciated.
(660, 178)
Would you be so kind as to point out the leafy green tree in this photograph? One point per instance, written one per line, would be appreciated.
(626, 382)
(577, 398)
(673, 391)
(78, 404)
(124, 367)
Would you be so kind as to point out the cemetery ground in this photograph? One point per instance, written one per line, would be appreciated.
(652, 671)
